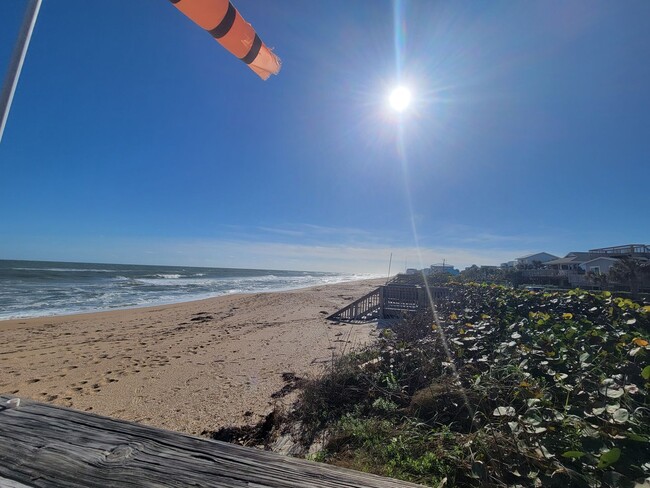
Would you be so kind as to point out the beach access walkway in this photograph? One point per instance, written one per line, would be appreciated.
(402, 295)
(43, 445)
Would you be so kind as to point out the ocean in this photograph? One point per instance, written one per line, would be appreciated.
(43, 288)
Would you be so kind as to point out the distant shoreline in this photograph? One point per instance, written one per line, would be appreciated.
(168, 304)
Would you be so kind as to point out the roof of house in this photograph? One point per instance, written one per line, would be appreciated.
(601, 257)
(577, 257)
(536, 254)
(624, 249)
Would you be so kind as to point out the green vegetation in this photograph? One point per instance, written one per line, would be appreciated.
(508, 388)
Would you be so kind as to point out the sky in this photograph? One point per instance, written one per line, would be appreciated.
(134, 137)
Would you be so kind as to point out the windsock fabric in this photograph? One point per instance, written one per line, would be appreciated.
(229, 28)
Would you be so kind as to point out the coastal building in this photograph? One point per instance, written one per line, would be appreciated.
(599, 265)
(442, 268)
(531, 259)
(637, 251)
(575, 268)
(573, 261)
(434, 269)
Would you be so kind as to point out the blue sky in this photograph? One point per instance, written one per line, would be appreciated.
(136, 138)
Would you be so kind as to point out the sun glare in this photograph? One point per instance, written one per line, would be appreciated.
(400, 98)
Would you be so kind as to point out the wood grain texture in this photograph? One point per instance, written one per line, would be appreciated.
(43, 445)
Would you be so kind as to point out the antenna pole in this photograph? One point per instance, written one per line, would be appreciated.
(17, 60)
(390, 261)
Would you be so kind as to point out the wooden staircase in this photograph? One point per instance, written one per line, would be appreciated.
(389, 301)
(366, 308)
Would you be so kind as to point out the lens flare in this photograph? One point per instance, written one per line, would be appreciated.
(400, 98)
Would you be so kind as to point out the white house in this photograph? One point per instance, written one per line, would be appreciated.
(599, 265)
(541, 257)
(573, 261)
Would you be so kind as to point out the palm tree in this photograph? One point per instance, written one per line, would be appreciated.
(630, 272)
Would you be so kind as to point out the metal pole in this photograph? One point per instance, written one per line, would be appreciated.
(17, 59)
(390, 261)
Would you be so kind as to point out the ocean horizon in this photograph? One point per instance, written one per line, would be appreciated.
(47, 288)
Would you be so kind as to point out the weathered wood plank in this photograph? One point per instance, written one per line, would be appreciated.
(43, 446)
(7, 483)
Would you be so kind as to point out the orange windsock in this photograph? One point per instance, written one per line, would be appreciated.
(229, 28)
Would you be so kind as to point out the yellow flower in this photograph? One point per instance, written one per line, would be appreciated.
(453, 316)
(567, 316)
(640, 342)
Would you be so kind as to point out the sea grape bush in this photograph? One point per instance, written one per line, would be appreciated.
(570, 374)
(536, 389)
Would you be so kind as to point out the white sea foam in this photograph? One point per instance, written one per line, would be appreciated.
(66, 270)
(42, 293)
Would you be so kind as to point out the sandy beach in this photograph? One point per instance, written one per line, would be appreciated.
(192, 367)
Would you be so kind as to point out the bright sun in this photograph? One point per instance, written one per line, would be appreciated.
(400, 98)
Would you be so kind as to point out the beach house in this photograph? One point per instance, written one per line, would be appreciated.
(532, 259)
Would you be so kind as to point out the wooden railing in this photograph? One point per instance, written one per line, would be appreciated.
(368, 307)
(389, 301)
(44, 445)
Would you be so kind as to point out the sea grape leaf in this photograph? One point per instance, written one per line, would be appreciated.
(645, 374)
(573, 454)
(621, 415)
(504, 412)
(514, 427)
(612, 392)
(612, 408)
(636, 437)
(609, 457)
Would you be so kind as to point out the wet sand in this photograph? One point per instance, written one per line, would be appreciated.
(191, 367)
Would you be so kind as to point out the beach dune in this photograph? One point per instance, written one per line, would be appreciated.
(192, 367)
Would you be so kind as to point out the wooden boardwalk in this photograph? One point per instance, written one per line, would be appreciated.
(44, 445)
(389, 301)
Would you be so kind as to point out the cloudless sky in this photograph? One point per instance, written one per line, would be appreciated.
(134, 137)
